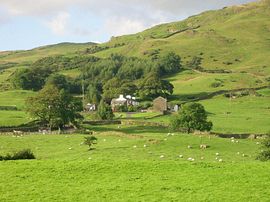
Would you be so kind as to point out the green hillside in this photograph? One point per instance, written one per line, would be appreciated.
(234, 44)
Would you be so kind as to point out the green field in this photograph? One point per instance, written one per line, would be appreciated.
(117, 171)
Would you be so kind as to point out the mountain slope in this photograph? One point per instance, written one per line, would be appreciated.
(236, 38)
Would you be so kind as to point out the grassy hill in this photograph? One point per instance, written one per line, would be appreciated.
(234, 40)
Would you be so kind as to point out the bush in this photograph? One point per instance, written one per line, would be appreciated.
(264, 155)
(90, 140)
(23, 154)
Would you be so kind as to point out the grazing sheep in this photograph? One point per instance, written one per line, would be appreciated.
(90, 158)
(189, 147)
(237, 141)
(145, 145)
(244, 155)
(238, 153)
(233, 141)
(202, 158)
(257, 143)
(191, 159)
(134, 146)
(220, 160)
(161, 156)
(203, 146)
(180, 156)
(165, 139)
(217, 154)
(119, 140)
(104, 140)
(70, 148)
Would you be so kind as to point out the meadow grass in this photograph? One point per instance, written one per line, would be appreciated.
(65, 170)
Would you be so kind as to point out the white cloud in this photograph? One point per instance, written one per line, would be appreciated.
(58, 25)
(116, 16)
(118, 26)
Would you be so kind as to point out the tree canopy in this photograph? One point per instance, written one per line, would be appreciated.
(54, 107)
(192, 116)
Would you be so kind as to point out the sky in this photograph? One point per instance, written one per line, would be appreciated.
(25, 24)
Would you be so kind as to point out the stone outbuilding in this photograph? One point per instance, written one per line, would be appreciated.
(160, 104)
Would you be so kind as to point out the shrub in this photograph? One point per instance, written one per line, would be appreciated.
(216, 84)
(264, 155)
(23, 154)
(90, 140)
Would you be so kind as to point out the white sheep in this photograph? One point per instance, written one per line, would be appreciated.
(217, 154)
(145, 145)
(134, 146)
(189, 147)
(181, 156)
(220, 160)
(161, 156)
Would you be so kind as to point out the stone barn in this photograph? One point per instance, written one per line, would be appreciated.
(160, 104)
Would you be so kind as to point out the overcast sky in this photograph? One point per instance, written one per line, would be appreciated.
(25, 24)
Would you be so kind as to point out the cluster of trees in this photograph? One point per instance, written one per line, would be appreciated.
(108, 77)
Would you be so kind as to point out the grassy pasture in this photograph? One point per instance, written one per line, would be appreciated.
(117, 171)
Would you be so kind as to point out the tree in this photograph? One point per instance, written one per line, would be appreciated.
(58, 80)
(105, 111)
(30, 79)
(191, 117)
(93, 94)
(90, 140)
(152, 86)
(54, 107)
(170, 64)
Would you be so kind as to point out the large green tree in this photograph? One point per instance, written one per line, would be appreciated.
(54, 107)
(169, 63)
(192, 116)
(152, 86)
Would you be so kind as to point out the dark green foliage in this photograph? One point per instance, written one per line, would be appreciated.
(54, 107)
(170, 64)
(58, 80)
(93, 94)
(90, 140)
(8, 108)
(30, 79)
(105, 111)
(20, 155)
(192, 116)
(152, 86)
(264, 155)
(114, 87)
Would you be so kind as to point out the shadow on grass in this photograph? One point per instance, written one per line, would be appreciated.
(131, 129)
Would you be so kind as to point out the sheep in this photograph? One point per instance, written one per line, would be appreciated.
(203, 146)
(145, 145)
(202, 158)
(217, 154)
(104, 140)
(70, 148)
(165, 139)
(238, 153)
(161, 156)
(119, 140)
(257, 143)
(220, 160)
(189, 147)
(134, 146)
(90, 158)
(191, 159)
(180, 156)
